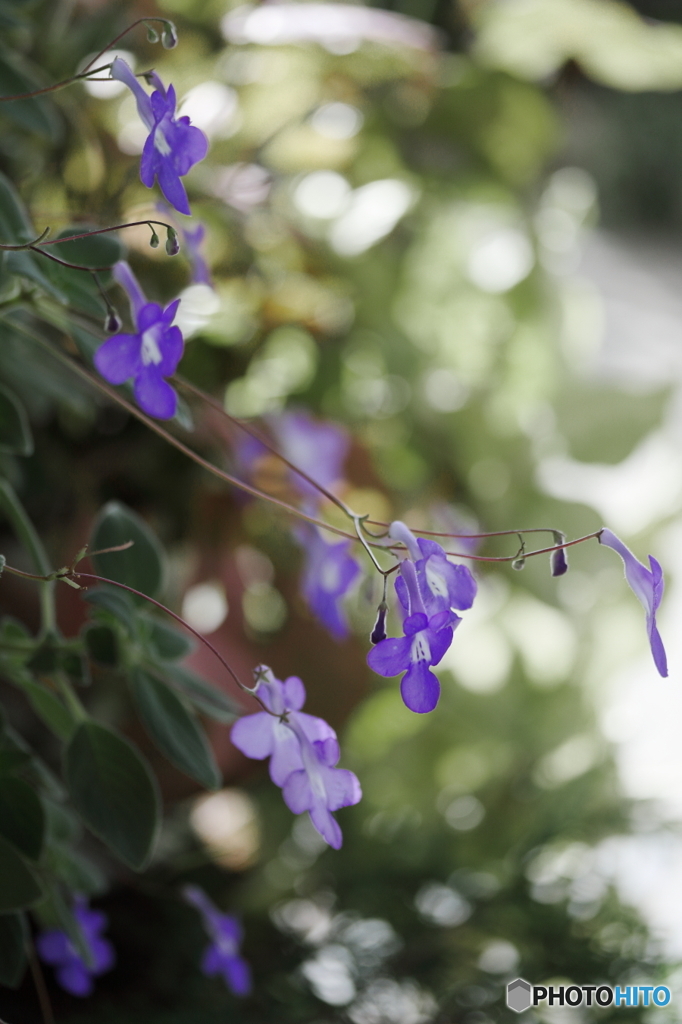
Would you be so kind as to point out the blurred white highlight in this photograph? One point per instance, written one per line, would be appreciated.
(199, 303)
(227, 825)
(338, 27)
(205, 606)
(372, 213)
(337, 120)
(213, 107)
(322, 194)
(500, 260)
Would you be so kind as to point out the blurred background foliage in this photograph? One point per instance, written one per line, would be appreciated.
(393, 225)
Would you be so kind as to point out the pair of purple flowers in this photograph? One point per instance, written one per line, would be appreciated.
(303, 752)
(430, 590)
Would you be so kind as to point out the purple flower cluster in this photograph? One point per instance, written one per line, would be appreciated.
(303, 752)
(429, 589)
(148, 356)
(55, 948)
(329, 570)
(173, 145)
(648, 586)
(226, 933)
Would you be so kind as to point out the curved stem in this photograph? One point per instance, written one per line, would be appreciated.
(25, 245)
(187, 386)
(140, 21)
(58, 85)
(65, 263)
(103, 231)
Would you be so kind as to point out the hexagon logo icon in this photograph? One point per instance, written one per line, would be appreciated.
(518, 995)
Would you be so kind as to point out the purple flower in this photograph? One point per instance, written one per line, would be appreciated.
(442, 585)
(193, 238)
(71, 971)
(226, 934)
(318, 448)
(148, 356)
(327, 576)
(173, 146)
(303, 752)
(429, 588)
(648, 586)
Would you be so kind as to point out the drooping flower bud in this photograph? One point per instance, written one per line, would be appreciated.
(379, 632)
(169, 37)
(154, 240)
(113, 322)
(172, 244)
(152, 34)
(558, 560)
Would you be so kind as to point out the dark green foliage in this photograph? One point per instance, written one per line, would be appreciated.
(175, 731)
(15, 430)
(12, 949)
(22, 819)
(141, 565)
(19, 886)
(114, 791)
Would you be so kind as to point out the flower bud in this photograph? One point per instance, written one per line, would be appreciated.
(154, 240)
(113, 322)
(558, 561)
(519, 563)
(172, 244)
(169, 37)
(379, 632)
(152, 34)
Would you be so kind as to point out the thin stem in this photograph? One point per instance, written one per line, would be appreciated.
(187, 386)
(103, 231)
(39, 982)
(57, 85)
(140, 21)
(470, 536)
(511, 558)
(27, 534)
(65, 263)
(25, 245)
(158, 429)
(138, 593)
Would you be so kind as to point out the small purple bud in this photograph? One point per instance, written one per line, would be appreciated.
(169, 38)
(172, 244)
(379, 632)
(558, 560)
(113, 322)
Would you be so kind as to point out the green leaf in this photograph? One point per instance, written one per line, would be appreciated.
(204, 696)
(166, 643)
(24, 264)
(116, 602)
(174, 730)
(13, 760)
(22, 818)
(114, 791)
(15, 223)
(101, 644)
(19, 887)
(96, 251)
(12, 949)
(34, 113)
(15, 430)
(76, 667)
(140, 566)
(48, 706)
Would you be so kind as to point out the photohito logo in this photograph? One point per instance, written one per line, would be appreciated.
(521, 995)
